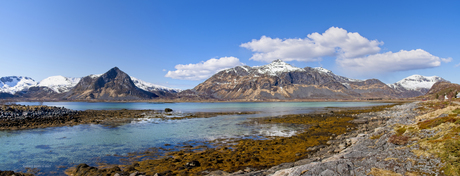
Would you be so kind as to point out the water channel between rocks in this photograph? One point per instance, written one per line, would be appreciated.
(53, 150)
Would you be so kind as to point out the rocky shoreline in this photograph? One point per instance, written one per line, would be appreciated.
(16, 117)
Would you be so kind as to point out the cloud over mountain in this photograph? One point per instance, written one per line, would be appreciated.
(334, 42)
(204, 69)
(354, 53)
(390, 62)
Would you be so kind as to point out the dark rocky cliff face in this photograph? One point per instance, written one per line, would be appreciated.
(5, 95)
(37, 92)
(112, 85)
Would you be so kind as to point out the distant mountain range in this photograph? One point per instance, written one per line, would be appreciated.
(112, 85)
(277, 80)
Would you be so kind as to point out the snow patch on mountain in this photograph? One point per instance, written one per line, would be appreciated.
(341, 79)
(59, 83)
(277, 67)
(145, 85)
(416, 82)
(151, 87)
(95, 75)
(13, 84)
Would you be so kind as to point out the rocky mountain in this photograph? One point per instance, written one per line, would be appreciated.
(279, 80)
(415, 85)
(112, 85)
(13, 84)
(442, 89)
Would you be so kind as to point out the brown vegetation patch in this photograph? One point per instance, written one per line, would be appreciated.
(437, 121)
(398, 140)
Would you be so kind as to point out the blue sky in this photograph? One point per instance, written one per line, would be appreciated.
(388, 40)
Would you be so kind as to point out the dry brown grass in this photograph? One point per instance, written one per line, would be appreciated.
(398, 140)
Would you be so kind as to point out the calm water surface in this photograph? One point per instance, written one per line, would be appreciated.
(50, 149)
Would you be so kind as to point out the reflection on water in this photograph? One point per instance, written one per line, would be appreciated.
(276, 130)
(54, 149)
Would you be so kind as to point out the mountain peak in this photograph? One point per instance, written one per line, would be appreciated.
(115, 69)
(276, 67)
(277, 61)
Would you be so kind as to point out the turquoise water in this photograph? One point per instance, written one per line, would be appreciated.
(57, 148)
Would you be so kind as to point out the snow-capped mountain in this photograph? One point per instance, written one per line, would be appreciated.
(416, 82)
(279, 80)
(277, 67)
(415, 85)
(152, 87)
(13, 84)
(59, 83)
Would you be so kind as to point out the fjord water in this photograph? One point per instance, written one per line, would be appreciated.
(57, 148)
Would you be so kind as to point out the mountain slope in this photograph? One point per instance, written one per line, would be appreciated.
(279, 80)
(152, 87)
(13, 84)
(112, 85)
(442, 89)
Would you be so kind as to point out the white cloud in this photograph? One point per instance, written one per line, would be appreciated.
(203, 70)
(449, 59)
(390, 62)
(333, 42)
(354, 53)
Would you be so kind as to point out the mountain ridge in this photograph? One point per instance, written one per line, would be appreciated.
(276, 80)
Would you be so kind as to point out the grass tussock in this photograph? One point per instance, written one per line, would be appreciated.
(400, 131)
(427, 124)
(376, 136)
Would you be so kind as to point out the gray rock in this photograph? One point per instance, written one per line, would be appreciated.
(328, 172)
(218, 173)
